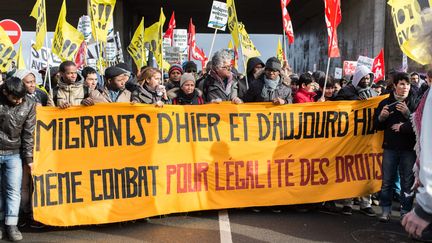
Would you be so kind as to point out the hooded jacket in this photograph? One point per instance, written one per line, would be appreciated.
(351, 91)
(70, 93)
(17, 125)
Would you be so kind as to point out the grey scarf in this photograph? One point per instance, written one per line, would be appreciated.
(364, 93)
(269, 88)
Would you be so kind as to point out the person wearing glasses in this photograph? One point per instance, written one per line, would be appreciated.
(221, 85)
(271, 86)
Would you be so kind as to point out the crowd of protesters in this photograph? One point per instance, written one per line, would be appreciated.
(269, 81)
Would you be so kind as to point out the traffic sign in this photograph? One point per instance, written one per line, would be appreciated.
(13, 29)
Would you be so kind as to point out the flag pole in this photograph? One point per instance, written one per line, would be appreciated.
(142, 46)
(242, 55)
(161, 46)
(214, 37)
(97, 39)
(284, 46)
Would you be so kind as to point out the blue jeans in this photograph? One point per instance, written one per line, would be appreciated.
(10, 188)
(392, 160)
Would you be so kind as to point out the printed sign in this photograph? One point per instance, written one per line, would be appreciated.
(218, 16)
(180, 39)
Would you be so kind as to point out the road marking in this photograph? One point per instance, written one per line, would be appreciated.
(224, 227)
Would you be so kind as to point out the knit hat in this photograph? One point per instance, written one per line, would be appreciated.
(187, 77)
(274, 64)
(113, 72)
(175, 67)
(22, 73)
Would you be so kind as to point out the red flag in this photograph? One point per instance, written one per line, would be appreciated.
(80, 57)
(333, 17)
(286, 20)
(171, 26)
(378, 67)
(194, 51)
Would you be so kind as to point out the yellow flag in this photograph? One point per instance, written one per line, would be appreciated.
(233, 22)
(7, 52)
(280, 52)
(39, 14)
(101, 12)
(67, 39)
(136, 47)
(153, 36)
(248, 48)
(409, 20)
(20, 60)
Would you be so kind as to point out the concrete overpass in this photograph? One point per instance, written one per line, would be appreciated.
(366, 25)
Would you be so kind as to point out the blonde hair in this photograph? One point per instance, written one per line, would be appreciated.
(147, 73)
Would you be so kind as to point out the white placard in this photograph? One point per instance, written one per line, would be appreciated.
(38, 59)
(338, 73)
(84, 26)
(218, 16)
(365, 61)
(180, 39)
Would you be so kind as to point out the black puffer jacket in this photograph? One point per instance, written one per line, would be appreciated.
(283, 91)
(17, 125)
(396, 140)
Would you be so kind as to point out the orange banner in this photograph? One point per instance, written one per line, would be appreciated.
(118, 162)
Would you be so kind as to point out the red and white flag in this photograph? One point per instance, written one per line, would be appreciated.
(171, 26)
(194, 51)
(378, 67)
(286, 19)
(333, 17)
(80, 56)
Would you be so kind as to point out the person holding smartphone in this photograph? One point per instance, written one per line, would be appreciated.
(398, 147)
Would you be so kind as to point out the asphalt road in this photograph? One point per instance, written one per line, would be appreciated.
(243, 225)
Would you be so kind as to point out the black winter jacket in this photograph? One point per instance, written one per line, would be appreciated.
(396, 140)
(17, 125)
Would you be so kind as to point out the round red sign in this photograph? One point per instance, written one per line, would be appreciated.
(13, 30)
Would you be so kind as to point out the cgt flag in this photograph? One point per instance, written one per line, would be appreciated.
(7, 52)
(286, 20)
(101, 12)
(136, 47)
(333, 17)
(378, 67)
(67, 39)
(171, 26)
(194, 51)
(39, 13)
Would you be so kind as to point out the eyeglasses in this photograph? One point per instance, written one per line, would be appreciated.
(228, 68)
(191, 71)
